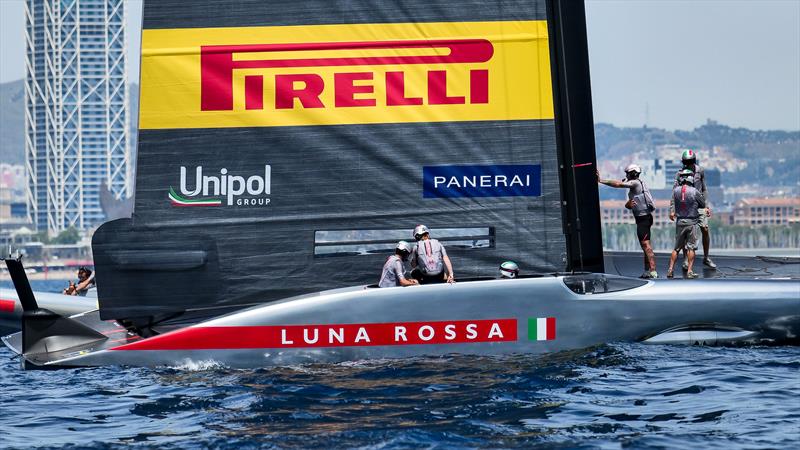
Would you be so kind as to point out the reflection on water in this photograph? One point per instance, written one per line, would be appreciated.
(606, 396)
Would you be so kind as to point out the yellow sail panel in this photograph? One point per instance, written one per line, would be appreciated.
(345, 74)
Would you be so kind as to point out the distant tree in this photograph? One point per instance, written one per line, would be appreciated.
(42, 237)
(68, 236)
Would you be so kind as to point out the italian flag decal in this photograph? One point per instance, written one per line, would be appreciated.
(542, 329)
(177, 200)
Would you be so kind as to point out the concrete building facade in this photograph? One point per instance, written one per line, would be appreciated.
(613, 212)
(767, 211)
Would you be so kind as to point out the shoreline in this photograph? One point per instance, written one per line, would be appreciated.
(51, 275)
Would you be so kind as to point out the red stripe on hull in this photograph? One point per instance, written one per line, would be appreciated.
(7, 305)
(336, 335)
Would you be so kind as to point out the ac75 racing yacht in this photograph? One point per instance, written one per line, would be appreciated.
(284, 147)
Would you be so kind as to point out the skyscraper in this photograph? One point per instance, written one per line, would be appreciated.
(76, 110)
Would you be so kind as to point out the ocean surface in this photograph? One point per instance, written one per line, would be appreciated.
(610, 396)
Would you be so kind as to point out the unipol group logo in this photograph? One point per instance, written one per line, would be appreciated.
(351, 87)
(221, 188)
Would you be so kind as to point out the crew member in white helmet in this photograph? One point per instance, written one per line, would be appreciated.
(689, 160)
(688, 201)
(641, 204)
(429, 259)
(393, 270)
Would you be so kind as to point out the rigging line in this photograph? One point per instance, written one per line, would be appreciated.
(569, 134)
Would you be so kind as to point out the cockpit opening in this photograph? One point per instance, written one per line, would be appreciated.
(598, 283)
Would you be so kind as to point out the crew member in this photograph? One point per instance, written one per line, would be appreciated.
(688, 203)
(429, 259)
(393, 270)
(509, 270)
(85, 281)
(689, 160)
(69, 290)
(641, 204)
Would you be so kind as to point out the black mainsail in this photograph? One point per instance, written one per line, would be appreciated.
(283, 146)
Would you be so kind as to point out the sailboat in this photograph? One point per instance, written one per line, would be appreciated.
(284, 148)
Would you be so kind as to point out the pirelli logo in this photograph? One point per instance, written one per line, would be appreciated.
(351, 88)
(332, 74)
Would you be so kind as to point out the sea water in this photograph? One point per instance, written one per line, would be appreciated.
(610, 396)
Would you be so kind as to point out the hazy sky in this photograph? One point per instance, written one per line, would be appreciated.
(737, 62)
(683, 61)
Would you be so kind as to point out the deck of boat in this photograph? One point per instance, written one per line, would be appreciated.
(632, 264)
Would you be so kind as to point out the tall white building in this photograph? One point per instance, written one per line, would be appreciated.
(76, 110)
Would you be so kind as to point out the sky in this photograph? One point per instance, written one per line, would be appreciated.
(665, 63)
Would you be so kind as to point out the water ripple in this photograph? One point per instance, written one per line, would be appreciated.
(608, 396)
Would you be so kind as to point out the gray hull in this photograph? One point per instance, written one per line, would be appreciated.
(485, 318)
(65, 305)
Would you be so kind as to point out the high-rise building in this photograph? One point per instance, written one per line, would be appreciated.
(76, 110)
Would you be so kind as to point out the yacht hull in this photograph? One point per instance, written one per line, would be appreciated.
(65, 305)
(492, 317)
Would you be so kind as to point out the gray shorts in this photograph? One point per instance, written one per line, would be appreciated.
(686, 236)
(703, 218)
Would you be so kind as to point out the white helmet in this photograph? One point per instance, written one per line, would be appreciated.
(403, 246)
(509, 269)
(420, 230)
(686, 176)
(633, 168)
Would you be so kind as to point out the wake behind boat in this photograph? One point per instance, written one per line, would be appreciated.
(284, 148)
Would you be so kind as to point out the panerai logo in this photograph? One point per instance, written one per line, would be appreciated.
(199, 189)
(505, 180)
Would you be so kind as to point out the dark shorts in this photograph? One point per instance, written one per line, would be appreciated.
(643, 224)
(424, 278)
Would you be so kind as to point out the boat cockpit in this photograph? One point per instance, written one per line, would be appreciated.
(601, 283)
(584, 283)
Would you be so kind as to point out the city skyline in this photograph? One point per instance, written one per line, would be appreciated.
(667, 64)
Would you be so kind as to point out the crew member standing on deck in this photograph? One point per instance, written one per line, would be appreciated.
(688, 204)
(689, 160)
(641, 204)
(393, 270)
(429, 259)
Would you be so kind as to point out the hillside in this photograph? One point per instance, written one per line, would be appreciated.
(774, 156)
(12, 122)
(615, 143)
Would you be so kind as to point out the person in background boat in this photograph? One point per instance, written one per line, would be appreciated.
(69, 290)
(641, 204)
(429, 259)
(393, 273)
(509, 270)
(688, 203)
(85, 282)
(689, 160)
